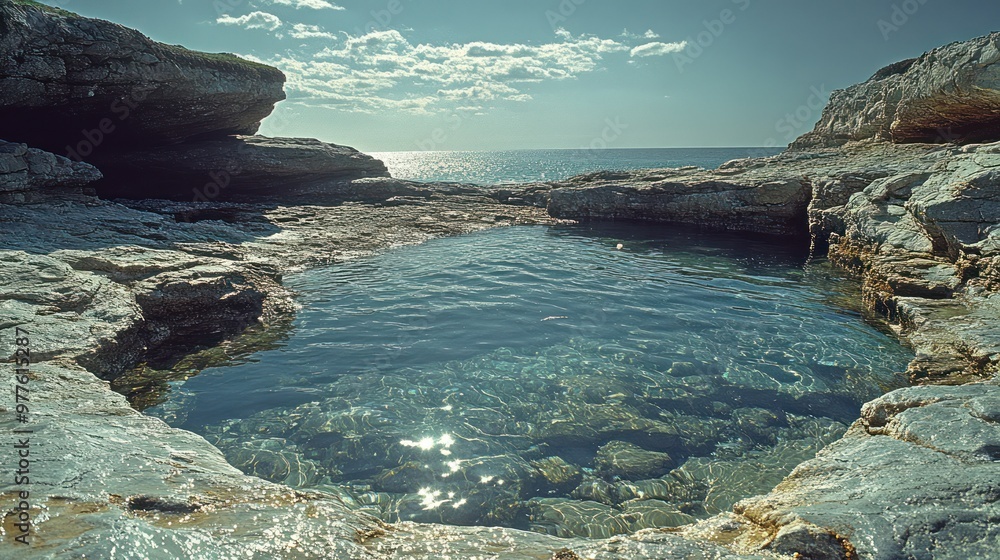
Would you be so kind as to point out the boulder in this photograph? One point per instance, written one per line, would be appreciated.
(950, 94)
(75, 85)
(25, 170)
(626, 460)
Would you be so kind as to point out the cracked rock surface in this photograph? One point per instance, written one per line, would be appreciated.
(24, 170)
(950, 94)
(916, 477)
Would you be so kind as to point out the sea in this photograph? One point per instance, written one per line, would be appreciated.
(525, 166)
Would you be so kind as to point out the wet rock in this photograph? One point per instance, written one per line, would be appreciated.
(684, 369)
(571, 518)
(584, 423)
(596, 490)
(404, 478)
(802, 540)
(154, 490)
(714, 484)
(275, 460)
(759, 424)
(63, 74)
(492, 506)
(916, 238)
(925, 222)
(625, 460)
(678, 488)
(74, 270)
(654, 514)
(430, 542)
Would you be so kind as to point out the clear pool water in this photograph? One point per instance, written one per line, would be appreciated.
(546, 379)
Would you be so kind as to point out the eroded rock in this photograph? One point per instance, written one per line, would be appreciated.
(951, 94)
(916, 477)
(245, 166)
(24, 172)
(61, 74)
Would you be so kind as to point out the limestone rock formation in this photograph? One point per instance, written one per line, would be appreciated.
(951, 94)
(679, 196)
(916, 477)
(793, 194)
(72, 82)
(159, 121)
(24, 171)
(101, 286)
(230, 167)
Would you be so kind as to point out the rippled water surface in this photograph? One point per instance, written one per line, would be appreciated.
(543, 378)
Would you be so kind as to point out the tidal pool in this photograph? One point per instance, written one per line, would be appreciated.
(545, 378)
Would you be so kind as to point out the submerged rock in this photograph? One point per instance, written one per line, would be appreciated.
(572, 518)
(74, 268)
(559, 476)
(626, 460)
(103, 285)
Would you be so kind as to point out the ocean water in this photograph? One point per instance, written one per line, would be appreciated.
(544, 378)
(524, 166)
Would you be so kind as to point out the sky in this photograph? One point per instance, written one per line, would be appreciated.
(403, 75)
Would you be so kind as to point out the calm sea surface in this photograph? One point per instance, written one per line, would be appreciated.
(525, 166)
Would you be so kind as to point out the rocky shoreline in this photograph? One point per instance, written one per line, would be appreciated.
(104, 285)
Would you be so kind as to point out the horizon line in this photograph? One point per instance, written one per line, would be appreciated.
(782, 148)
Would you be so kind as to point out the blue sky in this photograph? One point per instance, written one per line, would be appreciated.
(386, 75)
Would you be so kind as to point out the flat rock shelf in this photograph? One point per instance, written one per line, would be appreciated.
(543, 378)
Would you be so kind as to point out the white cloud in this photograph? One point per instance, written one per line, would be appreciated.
(306, 31)
(649, 35)
(383, 70)
(314, 4)
(253, 20)
(658, 49)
